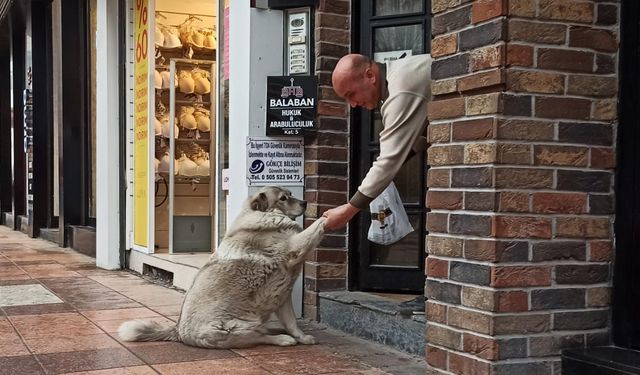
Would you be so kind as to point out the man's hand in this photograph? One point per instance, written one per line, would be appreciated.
(339, 217)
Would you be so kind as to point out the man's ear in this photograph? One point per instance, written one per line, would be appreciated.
(260, 203)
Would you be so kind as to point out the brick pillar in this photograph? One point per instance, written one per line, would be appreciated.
(326, 155)
(521, 184)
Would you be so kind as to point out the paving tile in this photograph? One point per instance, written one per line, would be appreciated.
(34, 262)
(120, 281)
(5, 327)
(317, 361)
(11, 270)
(106, 304)
(54, 325)
(50, 270)
(71, 258)
(22, 281)
(130, 313)
(23, 365)
(136, 370)
(23, 276)
(48, 308)
(47, 345)
(372, 371)
(86, 294)
(227, 366)
(10, 343)
(169, 309)
(8, 246)
(153, 295)
(168, 352)
(28, 294)
(273, 349)
(87, 360)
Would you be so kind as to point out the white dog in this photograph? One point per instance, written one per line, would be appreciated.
(250, 276)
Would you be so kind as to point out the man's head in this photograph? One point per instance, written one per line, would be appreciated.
(356, 78)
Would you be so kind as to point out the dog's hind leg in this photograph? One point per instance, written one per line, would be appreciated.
(287, 317)
(239, 339)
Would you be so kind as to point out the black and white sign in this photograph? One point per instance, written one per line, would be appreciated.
(291, 104)
(273, 161)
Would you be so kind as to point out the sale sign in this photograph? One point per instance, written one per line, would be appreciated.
(141, 125)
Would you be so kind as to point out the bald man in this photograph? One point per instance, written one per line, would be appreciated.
(401, 89)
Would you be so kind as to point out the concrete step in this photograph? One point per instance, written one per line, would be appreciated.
(606, 360)
(23, 224)
(375, 318)
(181, 267)
(83, 239)
(50, 234)
(7, 219)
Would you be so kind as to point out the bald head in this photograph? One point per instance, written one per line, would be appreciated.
(350, 65)
(356, 78)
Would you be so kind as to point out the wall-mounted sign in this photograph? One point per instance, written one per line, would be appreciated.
(273, 161)
(291, 104)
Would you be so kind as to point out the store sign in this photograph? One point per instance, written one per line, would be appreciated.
(273, 161)
(141, 127)
(291, 104)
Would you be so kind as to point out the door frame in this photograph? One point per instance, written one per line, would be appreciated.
(359, 156)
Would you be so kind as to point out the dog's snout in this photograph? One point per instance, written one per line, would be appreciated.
(304, 204)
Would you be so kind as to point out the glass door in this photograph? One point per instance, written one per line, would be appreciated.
(392, 29)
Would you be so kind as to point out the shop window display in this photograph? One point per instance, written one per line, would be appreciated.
(184, 124)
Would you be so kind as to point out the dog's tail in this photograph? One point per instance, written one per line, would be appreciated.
(147, 330)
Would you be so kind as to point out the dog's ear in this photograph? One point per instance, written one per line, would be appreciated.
(260, 203)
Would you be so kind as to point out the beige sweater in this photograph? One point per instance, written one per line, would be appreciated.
(404, 117)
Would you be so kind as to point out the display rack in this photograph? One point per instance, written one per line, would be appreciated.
(191, 231)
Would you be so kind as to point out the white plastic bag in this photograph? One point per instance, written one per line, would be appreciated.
(389, 221)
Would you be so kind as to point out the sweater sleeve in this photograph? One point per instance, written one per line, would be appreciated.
(404, 118)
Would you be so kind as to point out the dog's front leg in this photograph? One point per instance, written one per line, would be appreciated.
(287, 317)
(305, 241)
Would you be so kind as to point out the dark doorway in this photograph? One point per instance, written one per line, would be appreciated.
(626, 294)
(390, 29)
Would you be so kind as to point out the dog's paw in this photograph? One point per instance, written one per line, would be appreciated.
(284, 340)
(307, 340)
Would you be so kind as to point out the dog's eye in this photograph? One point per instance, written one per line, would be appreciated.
(283, 198)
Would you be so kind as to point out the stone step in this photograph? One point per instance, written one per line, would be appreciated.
(375, 318)
(606, 360)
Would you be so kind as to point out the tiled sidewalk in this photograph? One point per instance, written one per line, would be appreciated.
(59, 315)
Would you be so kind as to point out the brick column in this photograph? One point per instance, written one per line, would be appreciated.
(327, 154)
(520, 186)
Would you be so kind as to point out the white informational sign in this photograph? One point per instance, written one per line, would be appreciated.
(384, 57)
(275, 161)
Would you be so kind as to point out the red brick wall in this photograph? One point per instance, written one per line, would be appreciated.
(327, 154)
(520, 187)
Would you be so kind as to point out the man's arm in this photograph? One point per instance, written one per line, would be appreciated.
(339, 217)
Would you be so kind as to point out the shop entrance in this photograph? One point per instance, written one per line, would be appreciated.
(391, 29)
(177, 135)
